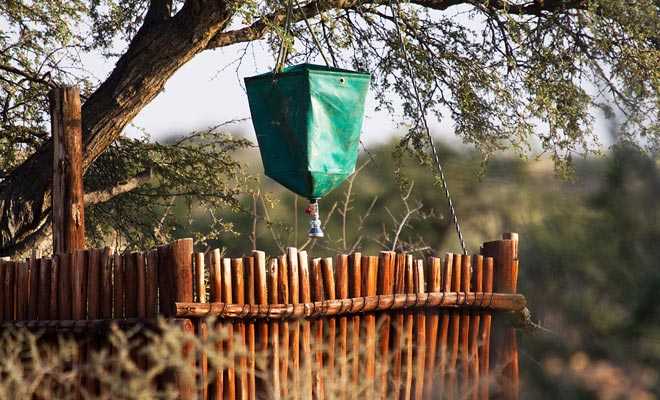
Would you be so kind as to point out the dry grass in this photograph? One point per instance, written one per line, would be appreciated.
(139, 364)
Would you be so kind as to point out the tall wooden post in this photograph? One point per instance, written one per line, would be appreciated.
(175, 275)
(175, 283)
(504, 351)
(68, 206)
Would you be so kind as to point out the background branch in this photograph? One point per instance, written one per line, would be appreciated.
(125, 186)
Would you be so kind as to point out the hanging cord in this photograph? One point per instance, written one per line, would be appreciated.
(422, 111)
(314, 38)
(285, 45)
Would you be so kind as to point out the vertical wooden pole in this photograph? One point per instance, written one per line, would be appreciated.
(434, 284)
(341, 282)
(176, 275)
(55, 289)
(409, 369)
(131, 285)
(316, 276)
(106, 283)
(33, 286)
(94, 297)
(79, 310)
(22, 293)
(118, 287)
(9, 291)
(152, 283)
(79, 284)
(475, 322)
(486, 316)
(215, 294)
(140, 265)
(43, 310)
(238, 290)
(504, 352)
(420, 332)
(68, 206)
(305, 374)
(179, 280)
(200, 325)
(141, 300)
(185, 383)
(398, 339)
(261, 297)
(3, 293)
(64, 286)
(454, 331)
(330, 294)
(369, 282)
(94, 301)
(445, 318)
(285, 332)
(464, 335)
(355, 290)
(227, 297)
(386, 260)
(273, 285)
(250, 328)
(294, 343)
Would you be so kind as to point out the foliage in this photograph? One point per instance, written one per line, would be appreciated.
(39, 45)
(506, 74)
(192, 171)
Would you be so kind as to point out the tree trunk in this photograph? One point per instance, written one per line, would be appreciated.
(158, 50)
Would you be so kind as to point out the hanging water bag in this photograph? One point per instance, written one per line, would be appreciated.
(308, 120)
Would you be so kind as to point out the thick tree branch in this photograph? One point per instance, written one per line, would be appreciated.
(125, 186)
(28, 75)
(154, 55)
(159, 11)
(261, 27)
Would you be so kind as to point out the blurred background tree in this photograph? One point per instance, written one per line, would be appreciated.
(588, 254)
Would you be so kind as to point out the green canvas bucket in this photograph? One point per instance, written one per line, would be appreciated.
(308, 120)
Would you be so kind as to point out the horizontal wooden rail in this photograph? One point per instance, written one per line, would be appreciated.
(499, 301)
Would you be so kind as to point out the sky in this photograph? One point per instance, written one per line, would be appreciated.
(209, 91)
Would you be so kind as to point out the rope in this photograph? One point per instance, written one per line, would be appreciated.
(314, 38)
(285, 45)
(422, 111)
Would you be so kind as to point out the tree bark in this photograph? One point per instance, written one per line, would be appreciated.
(158, 50)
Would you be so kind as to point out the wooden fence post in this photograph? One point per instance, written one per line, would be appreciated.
(68, 206)
(175, 275)
(175, 281)
(504, 351)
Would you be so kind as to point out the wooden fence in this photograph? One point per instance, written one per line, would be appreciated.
(385, 326)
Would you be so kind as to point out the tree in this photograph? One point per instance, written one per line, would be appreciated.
(506, 73)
